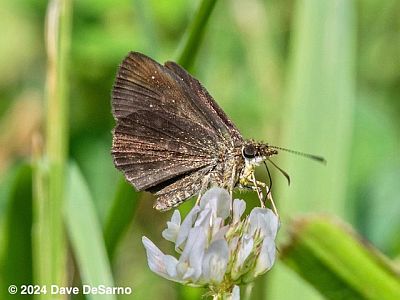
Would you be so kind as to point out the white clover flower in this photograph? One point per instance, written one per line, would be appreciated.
(218, 248)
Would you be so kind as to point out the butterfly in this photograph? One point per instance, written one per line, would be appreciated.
(173, 140)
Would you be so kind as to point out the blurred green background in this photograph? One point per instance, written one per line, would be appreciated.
(315, 76)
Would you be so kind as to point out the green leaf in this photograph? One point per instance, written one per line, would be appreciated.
(85, 233)
(16, 241)
(331, 257)
(120, 215)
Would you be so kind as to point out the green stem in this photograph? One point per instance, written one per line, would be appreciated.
(194, 34)
(49, 241)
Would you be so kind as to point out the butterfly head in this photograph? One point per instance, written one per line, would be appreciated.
(255, 153)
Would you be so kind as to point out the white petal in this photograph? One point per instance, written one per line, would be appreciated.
(219, 200)
(243, 251)
(235, 293)
(170, 265)
(233, 244)
(160, 263)
(171, 232)
(266, 258)
(264, 220)
(182, 268)
(204, 219)
(197, 253)
(239, 206)
(216, 225)
(215, 262)
(176, 217)
(185, 227)
(192, 254)
(187, 272)
(220, 234)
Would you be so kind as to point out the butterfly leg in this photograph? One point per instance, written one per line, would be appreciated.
(257, 189)
(248, 180)
(204, 184)
(256, 186)
(268, 196)
(230, 188)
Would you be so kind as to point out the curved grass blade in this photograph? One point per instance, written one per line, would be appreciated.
(16, 240)
(85, 234)
(332, 258)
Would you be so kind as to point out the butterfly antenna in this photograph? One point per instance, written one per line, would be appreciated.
(269, 179)
(311, 156)
(280, 170)
(268, 194)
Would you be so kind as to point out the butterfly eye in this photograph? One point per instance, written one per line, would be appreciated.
(249, 151)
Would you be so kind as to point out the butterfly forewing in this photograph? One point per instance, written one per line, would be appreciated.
(207, 105)
(170, 133)
(142, 83)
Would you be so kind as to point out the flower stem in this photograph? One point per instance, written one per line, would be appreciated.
(49, 241)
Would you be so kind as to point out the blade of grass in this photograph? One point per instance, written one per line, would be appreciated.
(49, 243)
(119, 216)
(194, 34)
(346, 268)
(16, 240)
(85, 234)
(318, 116)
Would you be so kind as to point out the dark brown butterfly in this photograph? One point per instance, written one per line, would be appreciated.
(171, 137)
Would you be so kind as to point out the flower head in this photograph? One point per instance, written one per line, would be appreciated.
(218, 248)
